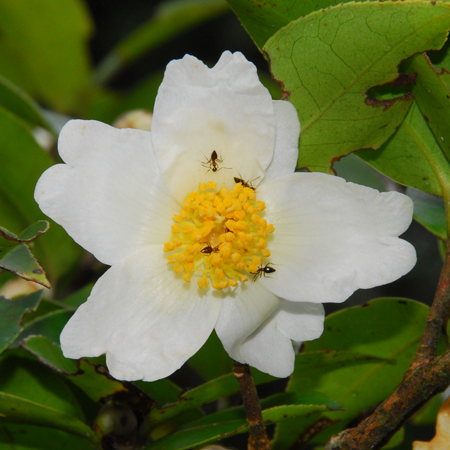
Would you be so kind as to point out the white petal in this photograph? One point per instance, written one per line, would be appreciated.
(333, 237)
(286, 141)
(269, 348)
(145, 318)
(108, 196)
(199, 110)
(242, 312)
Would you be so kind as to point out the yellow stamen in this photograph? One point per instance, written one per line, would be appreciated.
(218, 237)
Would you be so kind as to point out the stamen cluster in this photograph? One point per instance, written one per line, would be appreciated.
(219, 236)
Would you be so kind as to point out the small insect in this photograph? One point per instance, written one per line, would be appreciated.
(245, 183)
(263, 271)
(209, 248)
(213, 163)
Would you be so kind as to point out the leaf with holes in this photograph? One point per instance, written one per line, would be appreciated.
(329, 60)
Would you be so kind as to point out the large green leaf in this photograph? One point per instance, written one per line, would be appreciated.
(388, 330)
(43, 49)
(19, 103)
(263, 19)
(19, 410)
(170, 19)
(11, 314)
(404, 157)
(22, 163)
(329, 60)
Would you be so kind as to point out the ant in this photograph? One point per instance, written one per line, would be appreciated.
(209, 249)
(263, 271)
(213, 163)
(247, 184)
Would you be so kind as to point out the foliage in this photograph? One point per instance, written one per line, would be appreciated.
(364, 80)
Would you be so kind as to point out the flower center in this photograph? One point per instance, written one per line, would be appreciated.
(220, 236)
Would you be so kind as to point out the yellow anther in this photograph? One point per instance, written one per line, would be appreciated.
(236, 257)
(178, 268)
(169, 246)
(172, 259)
(187, 277)
(227, 225)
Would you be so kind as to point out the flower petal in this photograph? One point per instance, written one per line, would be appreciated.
(333, 237)
(146, 320)
(242, 312)
(286, 142)
(199, 110)
(108, 196)
(269, 348)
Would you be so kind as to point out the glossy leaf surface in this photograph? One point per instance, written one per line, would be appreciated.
(328, 61)
(404, 156)
(387, 331)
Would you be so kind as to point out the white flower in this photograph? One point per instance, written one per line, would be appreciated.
(120, 195)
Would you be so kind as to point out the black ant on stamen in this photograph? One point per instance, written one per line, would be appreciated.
(263, 271)
(213, 163)
(247, 184)
(209, 249)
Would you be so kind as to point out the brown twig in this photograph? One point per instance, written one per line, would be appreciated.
(258, 439)
(426, 377)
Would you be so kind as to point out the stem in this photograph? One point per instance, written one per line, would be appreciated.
(258, 439)
(436, 317)
(418, 386)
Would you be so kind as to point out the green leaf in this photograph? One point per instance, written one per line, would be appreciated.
(222, 424)
(49, 325)
(404, 156)
(28, 437)
(19, 410)
(387, 330)
(170, 19)
(17, 258)
(45, 43)
(23, 162)
(429, 212)
(263, 19)
(21, 262)
(93, 380)
(432, 92)
(11, 314)
(20, 104)
(328, 61)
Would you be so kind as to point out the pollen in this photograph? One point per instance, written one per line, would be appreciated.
(219, 237)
